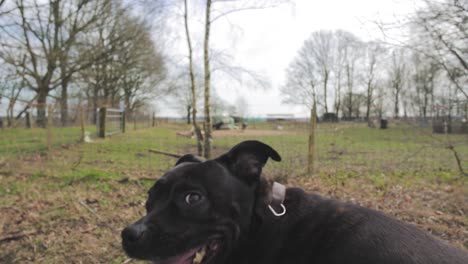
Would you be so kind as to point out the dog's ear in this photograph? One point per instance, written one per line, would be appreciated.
(189, 158)
(247, 159)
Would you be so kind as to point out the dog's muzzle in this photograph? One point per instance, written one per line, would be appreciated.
(133, 233)
(133, 240)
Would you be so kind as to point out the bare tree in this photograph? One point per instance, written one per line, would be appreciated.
(326, 58)
(11, 88)
(379, 98)
(354, 48)
(397, 76)
(38, 42)
(80, 18)
(373, 53)
(209, 19)
(193, 88)
(441, 34)
(302, 80)
(39, 34)
(213, 61)
(358, 101)
(206, 60)
(320, 45)
(126, 66)
(424, 79)
(141, 66)
(338, 66)
(3, 11)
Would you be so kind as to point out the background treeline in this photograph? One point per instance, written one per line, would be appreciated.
(422, 73)
(75, 52)
(90, 53)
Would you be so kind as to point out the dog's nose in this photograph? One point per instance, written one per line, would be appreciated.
(133, 233)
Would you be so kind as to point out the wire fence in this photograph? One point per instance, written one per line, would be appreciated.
(342, 149)
(25, 134)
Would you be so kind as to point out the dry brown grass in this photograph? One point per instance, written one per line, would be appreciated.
(69, 205)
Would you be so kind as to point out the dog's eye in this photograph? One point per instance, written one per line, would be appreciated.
(192, 198)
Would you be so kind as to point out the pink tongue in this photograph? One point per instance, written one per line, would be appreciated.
(214, 246)
(187, 261)
(185, 258)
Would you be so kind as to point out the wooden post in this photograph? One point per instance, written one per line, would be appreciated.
(122, 122)
(154, 119)
(82, 124)
(311, 154)
(49, 127)
(28, 119)
(102, 122)
(134, 121)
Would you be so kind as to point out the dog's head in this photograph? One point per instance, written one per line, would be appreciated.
(199, 207)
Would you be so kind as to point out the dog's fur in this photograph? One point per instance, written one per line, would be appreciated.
(231, 219)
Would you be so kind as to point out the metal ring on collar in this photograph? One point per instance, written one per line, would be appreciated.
(278, 214)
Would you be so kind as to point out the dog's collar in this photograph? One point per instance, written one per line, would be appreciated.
(278, 193)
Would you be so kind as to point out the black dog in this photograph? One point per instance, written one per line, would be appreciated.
(225, 210)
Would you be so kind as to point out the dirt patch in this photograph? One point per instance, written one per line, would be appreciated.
(81, 223)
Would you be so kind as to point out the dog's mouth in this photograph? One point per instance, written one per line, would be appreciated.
(200, 255)
(206, 253)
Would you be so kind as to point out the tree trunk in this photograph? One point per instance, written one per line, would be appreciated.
(10, 108)
(325, 82)
(64, 80)
(338, 96)
(64, 103)
(128, 106)
(432, 103)
(350, 89)
(189, 107)
(95, 104)
(207, 126)
(350, 105)
(466, 110)
(397, 102)
(369, 100)
(426, 102)
(196, 128)
(41, 107)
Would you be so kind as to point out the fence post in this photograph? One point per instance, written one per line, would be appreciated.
(102, 122)
(82, 124)
(28, 119)
(122, 121)
(49, 127)
(311, 154)
(154, 119)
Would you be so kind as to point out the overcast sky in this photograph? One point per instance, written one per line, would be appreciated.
(267, 40)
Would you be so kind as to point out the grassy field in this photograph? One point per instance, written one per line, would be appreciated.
(69, 203)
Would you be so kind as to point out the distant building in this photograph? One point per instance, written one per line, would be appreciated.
(279, 117)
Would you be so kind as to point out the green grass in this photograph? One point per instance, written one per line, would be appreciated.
(404, 153)
(20, 141)
(346, 150)
(46, 189)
